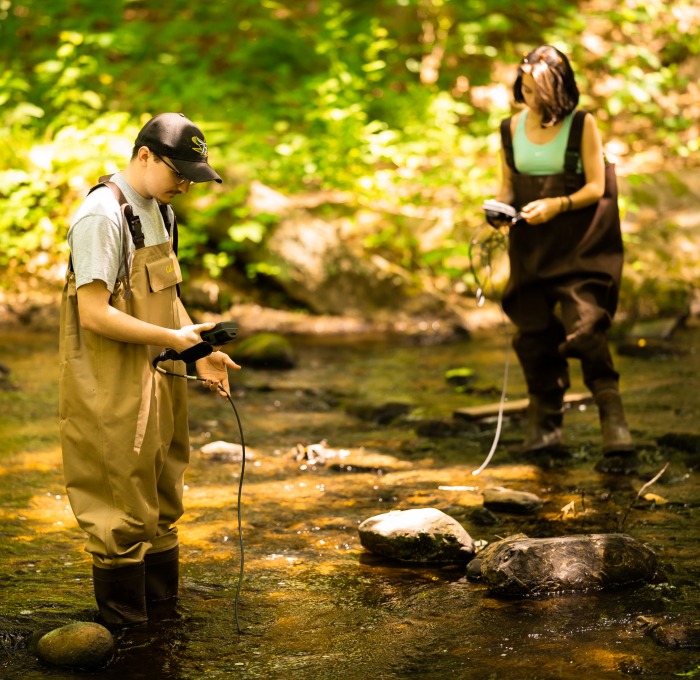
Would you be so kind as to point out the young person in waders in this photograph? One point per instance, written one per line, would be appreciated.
(124, 431)
(565, 254)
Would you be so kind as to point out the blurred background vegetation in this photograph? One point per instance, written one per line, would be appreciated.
(392, 104)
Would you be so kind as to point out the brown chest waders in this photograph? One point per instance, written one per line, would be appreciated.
(574, 261)
(124, 435)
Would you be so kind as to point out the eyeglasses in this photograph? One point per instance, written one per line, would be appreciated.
(179, 177)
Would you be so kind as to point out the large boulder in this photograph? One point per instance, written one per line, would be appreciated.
(417, 535)
(519, 565)
(321, 261)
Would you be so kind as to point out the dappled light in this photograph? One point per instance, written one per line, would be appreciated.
(379, 121)
(357, 142)
(310, 588)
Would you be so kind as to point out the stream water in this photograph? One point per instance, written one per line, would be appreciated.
(313, 603)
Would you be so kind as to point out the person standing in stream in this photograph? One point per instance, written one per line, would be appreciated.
(565, 254)
(124, 430)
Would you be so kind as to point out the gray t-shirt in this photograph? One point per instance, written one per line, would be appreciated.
(95, 235)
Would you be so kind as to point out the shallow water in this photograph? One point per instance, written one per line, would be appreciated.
(314, 603)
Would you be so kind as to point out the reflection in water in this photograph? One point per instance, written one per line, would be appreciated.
(314, 603)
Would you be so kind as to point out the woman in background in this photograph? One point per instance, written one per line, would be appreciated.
(565, 254)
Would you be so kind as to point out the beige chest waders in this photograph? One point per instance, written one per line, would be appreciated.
(124, 428)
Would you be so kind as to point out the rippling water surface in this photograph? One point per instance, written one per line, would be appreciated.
(314, 604)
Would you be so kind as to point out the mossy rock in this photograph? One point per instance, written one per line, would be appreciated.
(460, 376)
(77, 645)
(265, 350)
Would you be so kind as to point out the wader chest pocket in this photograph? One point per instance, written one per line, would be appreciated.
(163, 273)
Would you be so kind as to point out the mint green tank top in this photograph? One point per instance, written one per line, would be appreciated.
(540, 159)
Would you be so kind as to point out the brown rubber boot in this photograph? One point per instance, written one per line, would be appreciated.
(120, 595)
(616, 434)
(545, 414)
(162, 573)
(619, 454)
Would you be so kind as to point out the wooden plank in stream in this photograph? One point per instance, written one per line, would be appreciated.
(511, 407)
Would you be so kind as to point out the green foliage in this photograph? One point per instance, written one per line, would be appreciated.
(395, 101)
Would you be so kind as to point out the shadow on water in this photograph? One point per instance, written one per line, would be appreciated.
(314, 603)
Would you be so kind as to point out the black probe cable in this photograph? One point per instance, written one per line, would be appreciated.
(171, 354)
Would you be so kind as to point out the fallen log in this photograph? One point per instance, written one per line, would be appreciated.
(513, 407)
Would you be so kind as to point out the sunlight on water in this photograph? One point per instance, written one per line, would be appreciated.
(314, 603)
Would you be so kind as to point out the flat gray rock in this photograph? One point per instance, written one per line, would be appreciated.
(417, 535)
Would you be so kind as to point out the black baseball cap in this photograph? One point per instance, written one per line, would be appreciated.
(175, 136)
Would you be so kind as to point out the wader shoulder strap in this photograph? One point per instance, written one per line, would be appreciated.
(174, 238)
(507, 143)
(573, 145)
(166, 221)
(131, 220)
(131, 225)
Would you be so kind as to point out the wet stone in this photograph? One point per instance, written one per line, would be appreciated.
(676, 634)
(437, 428)
(483, 517)
(382, 414)
(225, 452)
(77, 645)
(501, 499)
(12, 640)
(520, 565)
(681, 441)
(417, 535)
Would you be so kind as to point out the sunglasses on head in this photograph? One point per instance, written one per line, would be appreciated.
(534, 59)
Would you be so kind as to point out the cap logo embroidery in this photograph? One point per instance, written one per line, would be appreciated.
(200, 146)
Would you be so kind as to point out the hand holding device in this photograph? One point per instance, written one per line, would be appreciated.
(220, 335)
(498, 213)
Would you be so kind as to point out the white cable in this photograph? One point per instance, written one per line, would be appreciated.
(499, 423)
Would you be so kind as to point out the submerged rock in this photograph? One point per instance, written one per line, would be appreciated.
(520, 565)
(417, 535)
(498, 498)
(265, 350)
(382, 414)
(13, 640)
(681, 441)
(77, 645)
(677, 634)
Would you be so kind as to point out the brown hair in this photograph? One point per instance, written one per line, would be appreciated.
(554, 80)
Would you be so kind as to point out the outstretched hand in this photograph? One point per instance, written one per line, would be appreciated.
(213, 369)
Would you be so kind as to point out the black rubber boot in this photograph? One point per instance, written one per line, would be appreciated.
(162, 574)
(545, 414)
(121, 595)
